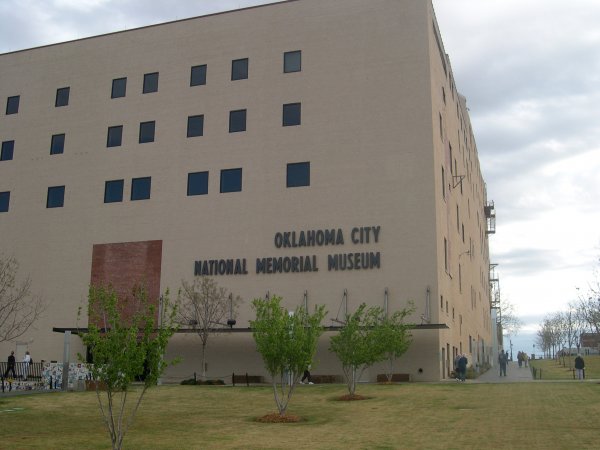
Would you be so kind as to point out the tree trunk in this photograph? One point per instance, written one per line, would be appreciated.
(203, 361)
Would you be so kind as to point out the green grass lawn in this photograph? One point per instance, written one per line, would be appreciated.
(537, 415)
(557, 370)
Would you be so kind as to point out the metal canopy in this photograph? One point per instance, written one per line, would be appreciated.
(425, 326)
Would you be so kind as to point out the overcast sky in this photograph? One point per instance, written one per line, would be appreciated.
(530, 70)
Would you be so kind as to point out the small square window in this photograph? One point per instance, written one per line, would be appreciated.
(237, 121)
(114, 136)
(195, 126)
(113, 191)
(150, 83)
(57, 144)
(298, 174)
(231, 180)
(62, 97)
(146, 132)
(4, 201)
(198, 75)
(8, 148)
(56, 197)
(239, 69)
(119, 88)
(197, 183)
(140, 188)
(12, 104)
(292, 61)
(291, 114)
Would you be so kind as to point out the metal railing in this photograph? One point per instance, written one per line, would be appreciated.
(21, 371)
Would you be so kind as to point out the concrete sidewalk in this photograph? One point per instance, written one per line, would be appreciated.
(514, 374)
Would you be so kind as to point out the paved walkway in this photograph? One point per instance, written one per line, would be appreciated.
(514, 374)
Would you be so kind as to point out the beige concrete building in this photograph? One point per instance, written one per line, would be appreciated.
(314, 149)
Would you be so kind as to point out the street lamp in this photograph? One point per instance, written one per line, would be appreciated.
(511, 358)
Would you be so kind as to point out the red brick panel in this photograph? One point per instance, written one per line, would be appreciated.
(128, 265)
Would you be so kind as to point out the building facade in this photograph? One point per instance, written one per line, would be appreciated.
(313, 149)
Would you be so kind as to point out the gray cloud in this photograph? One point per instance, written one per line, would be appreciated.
(32, 23)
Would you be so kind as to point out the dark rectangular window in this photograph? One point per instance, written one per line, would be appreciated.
(140, 188)
(56, 197)
(12, 104)
(237, 121)
(231, 180)
(4, 201)
(57, 144)
(197, 183)
(198, 75)
(298, 174)
(146, 132)
(150, 82)
(292, 61)
(443, 184)
(119, 88)
(195, 126)
(239, 69)
(113, 191)
(8, 148)
(446, 255)
(291, 114)
(62, 97)
(114, 136)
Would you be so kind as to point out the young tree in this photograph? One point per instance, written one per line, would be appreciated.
(127, 344)
(357, 346)
(205, 307)
(287, 342)
(394, 336)
(19, 309)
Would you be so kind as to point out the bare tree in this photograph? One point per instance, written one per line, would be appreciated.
(589, 309)
(576, 326)
(19, 308)
(588, 304)
(207, 308)
(554, 333)
(511, 324)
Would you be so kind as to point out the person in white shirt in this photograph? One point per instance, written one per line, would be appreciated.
(26, 362)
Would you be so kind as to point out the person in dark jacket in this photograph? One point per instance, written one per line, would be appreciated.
(306, 376)
(580, 367)
(503, 361)
(10, 365)
(462, 366)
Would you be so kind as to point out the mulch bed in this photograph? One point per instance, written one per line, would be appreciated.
(276, 418)
(351, 398)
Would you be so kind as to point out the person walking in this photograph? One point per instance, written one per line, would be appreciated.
(10, 367)
(306, 376)
(580, 367)
(456, 369)
(462, 367)
(503, 361)
(26, 362)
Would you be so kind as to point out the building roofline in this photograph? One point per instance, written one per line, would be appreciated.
(275, 2)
